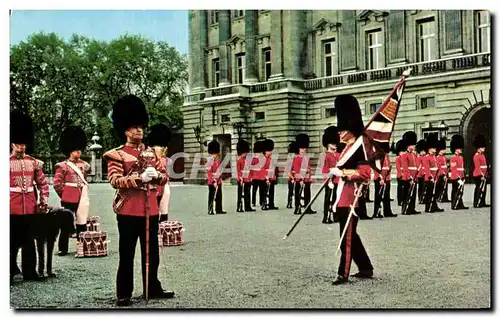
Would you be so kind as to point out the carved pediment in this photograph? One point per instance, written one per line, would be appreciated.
(235, 39)
(323, 25)
(375, 15)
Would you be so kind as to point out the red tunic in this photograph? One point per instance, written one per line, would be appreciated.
(442, 164)
(431, 168)
(399, 168)
(301, 173)
(67, 184)
(124, 175)
(409, 166)
(242, 170)
(480, 165)
(355, 177)
(330, 161)
(420, 172)
(212, 171)
(165, 161)
(386, 170)
(259, 172)
(25, 174)
(457, 167)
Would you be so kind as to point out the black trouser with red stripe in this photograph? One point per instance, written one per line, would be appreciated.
(400, 191)
(246, 195)
(352, 248)
(291, 185)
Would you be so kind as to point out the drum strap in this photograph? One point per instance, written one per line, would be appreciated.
(83, 206)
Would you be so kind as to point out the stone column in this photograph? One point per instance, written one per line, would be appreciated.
(276, 45)
(96, 161)
(294, 27)
(224, 35)
(197, 45)
(251, 56)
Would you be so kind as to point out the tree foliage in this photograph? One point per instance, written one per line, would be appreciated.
(75, 82)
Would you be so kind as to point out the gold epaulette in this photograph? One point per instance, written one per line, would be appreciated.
(113, 154)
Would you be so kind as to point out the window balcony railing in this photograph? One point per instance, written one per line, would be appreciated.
(421, 68)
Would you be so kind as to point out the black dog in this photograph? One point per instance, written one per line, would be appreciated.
(46, 229)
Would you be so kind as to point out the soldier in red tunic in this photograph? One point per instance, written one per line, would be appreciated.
(70, 179)
(410, 169)
(422, 152)
(457, 173)
(431, 169)
(256, 174)
(159, 139)
(302, 174)
(292, 149)
(383, 190)
(270, 174)
(214, 179)
(480, 173)
(400, 151)
(134, 171)
(244, 179)
(353, 173)
(442, 184)
(330, 142)
(25, 174)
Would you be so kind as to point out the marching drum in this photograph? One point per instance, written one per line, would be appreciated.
(93, 223)
(92, 244)
(170, 233)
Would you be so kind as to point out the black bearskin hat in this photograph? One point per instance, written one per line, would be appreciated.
(349, 115)
(258, 146)
(129, 111)
(21, 129)
(479, 141)
(268, 145)
(410, 137)
(331, 136)
(214, 147)
(302, 141)
(432, 141)
(159, 135)
(441, 144)
(341, 147)
(457, 142)
(421, 146)
(292, 148)
(72, 138)
(242, 147)
(401, 146)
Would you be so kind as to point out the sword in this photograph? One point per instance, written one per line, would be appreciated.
(357, 194)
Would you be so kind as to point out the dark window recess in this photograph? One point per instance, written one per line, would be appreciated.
(260, 115)
(374, 107)
(330, 112)
(216, 73)
(427, 102)
(224, 118)
(267, 62)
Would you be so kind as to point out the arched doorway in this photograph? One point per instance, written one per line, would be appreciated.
(479, 121)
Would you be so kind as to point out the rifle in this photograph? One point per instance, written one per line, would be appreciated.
(330, 206)
(458, 195)
(482, 188)
(240, 198)
(445, 188)
(265, 202)
(211, 209)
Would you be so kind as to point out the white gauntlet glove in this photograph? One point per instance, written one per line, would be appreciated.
(145, 177)
(152, 173)
(461, 182)
(335, 172)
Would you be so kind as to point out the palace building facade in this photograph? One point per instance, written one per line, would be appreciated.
(274, 74)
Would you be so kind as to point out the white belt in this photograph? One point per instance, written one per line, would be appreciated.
(21, 190)
(483, 167)
(386, 169)
(412, 168)
(460, 169)
(433, 169)
(72, 184)
(444, 166)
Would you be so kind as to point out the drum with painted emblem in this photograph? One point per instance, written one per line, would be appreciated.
(92, 244)
(170, 233)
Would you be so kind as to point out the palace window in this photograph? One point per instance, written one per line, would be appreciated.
(225, 118)
(330, 112)
(240, 67)
(216, 72)
(238, 13)
(267, 63)
(426, 102)
(374, 107)
(375, 49)
(427, 44)
(260, 115)
(330, 57)
(214, 16)
(483, 31)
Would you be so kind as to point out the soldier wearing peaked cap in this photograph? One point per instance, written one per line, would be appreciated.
(330, 141)
(25, 174)
(70, 182)
(431, 169)
(214, 179)
(457, 173)
(353, 172)
(480, 173)
(134, 171)
(159, 139)
(244, 177)
(301, 171)
(442, 162)
(292, 149)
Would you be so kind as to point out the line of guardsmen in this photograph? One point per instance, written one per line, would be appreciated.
(422, 172)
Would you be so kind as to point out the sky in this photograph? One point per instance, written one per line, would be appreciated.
(170, 26)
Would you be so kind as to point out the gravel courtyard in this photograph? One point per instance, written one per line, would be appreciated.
(239, 260)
